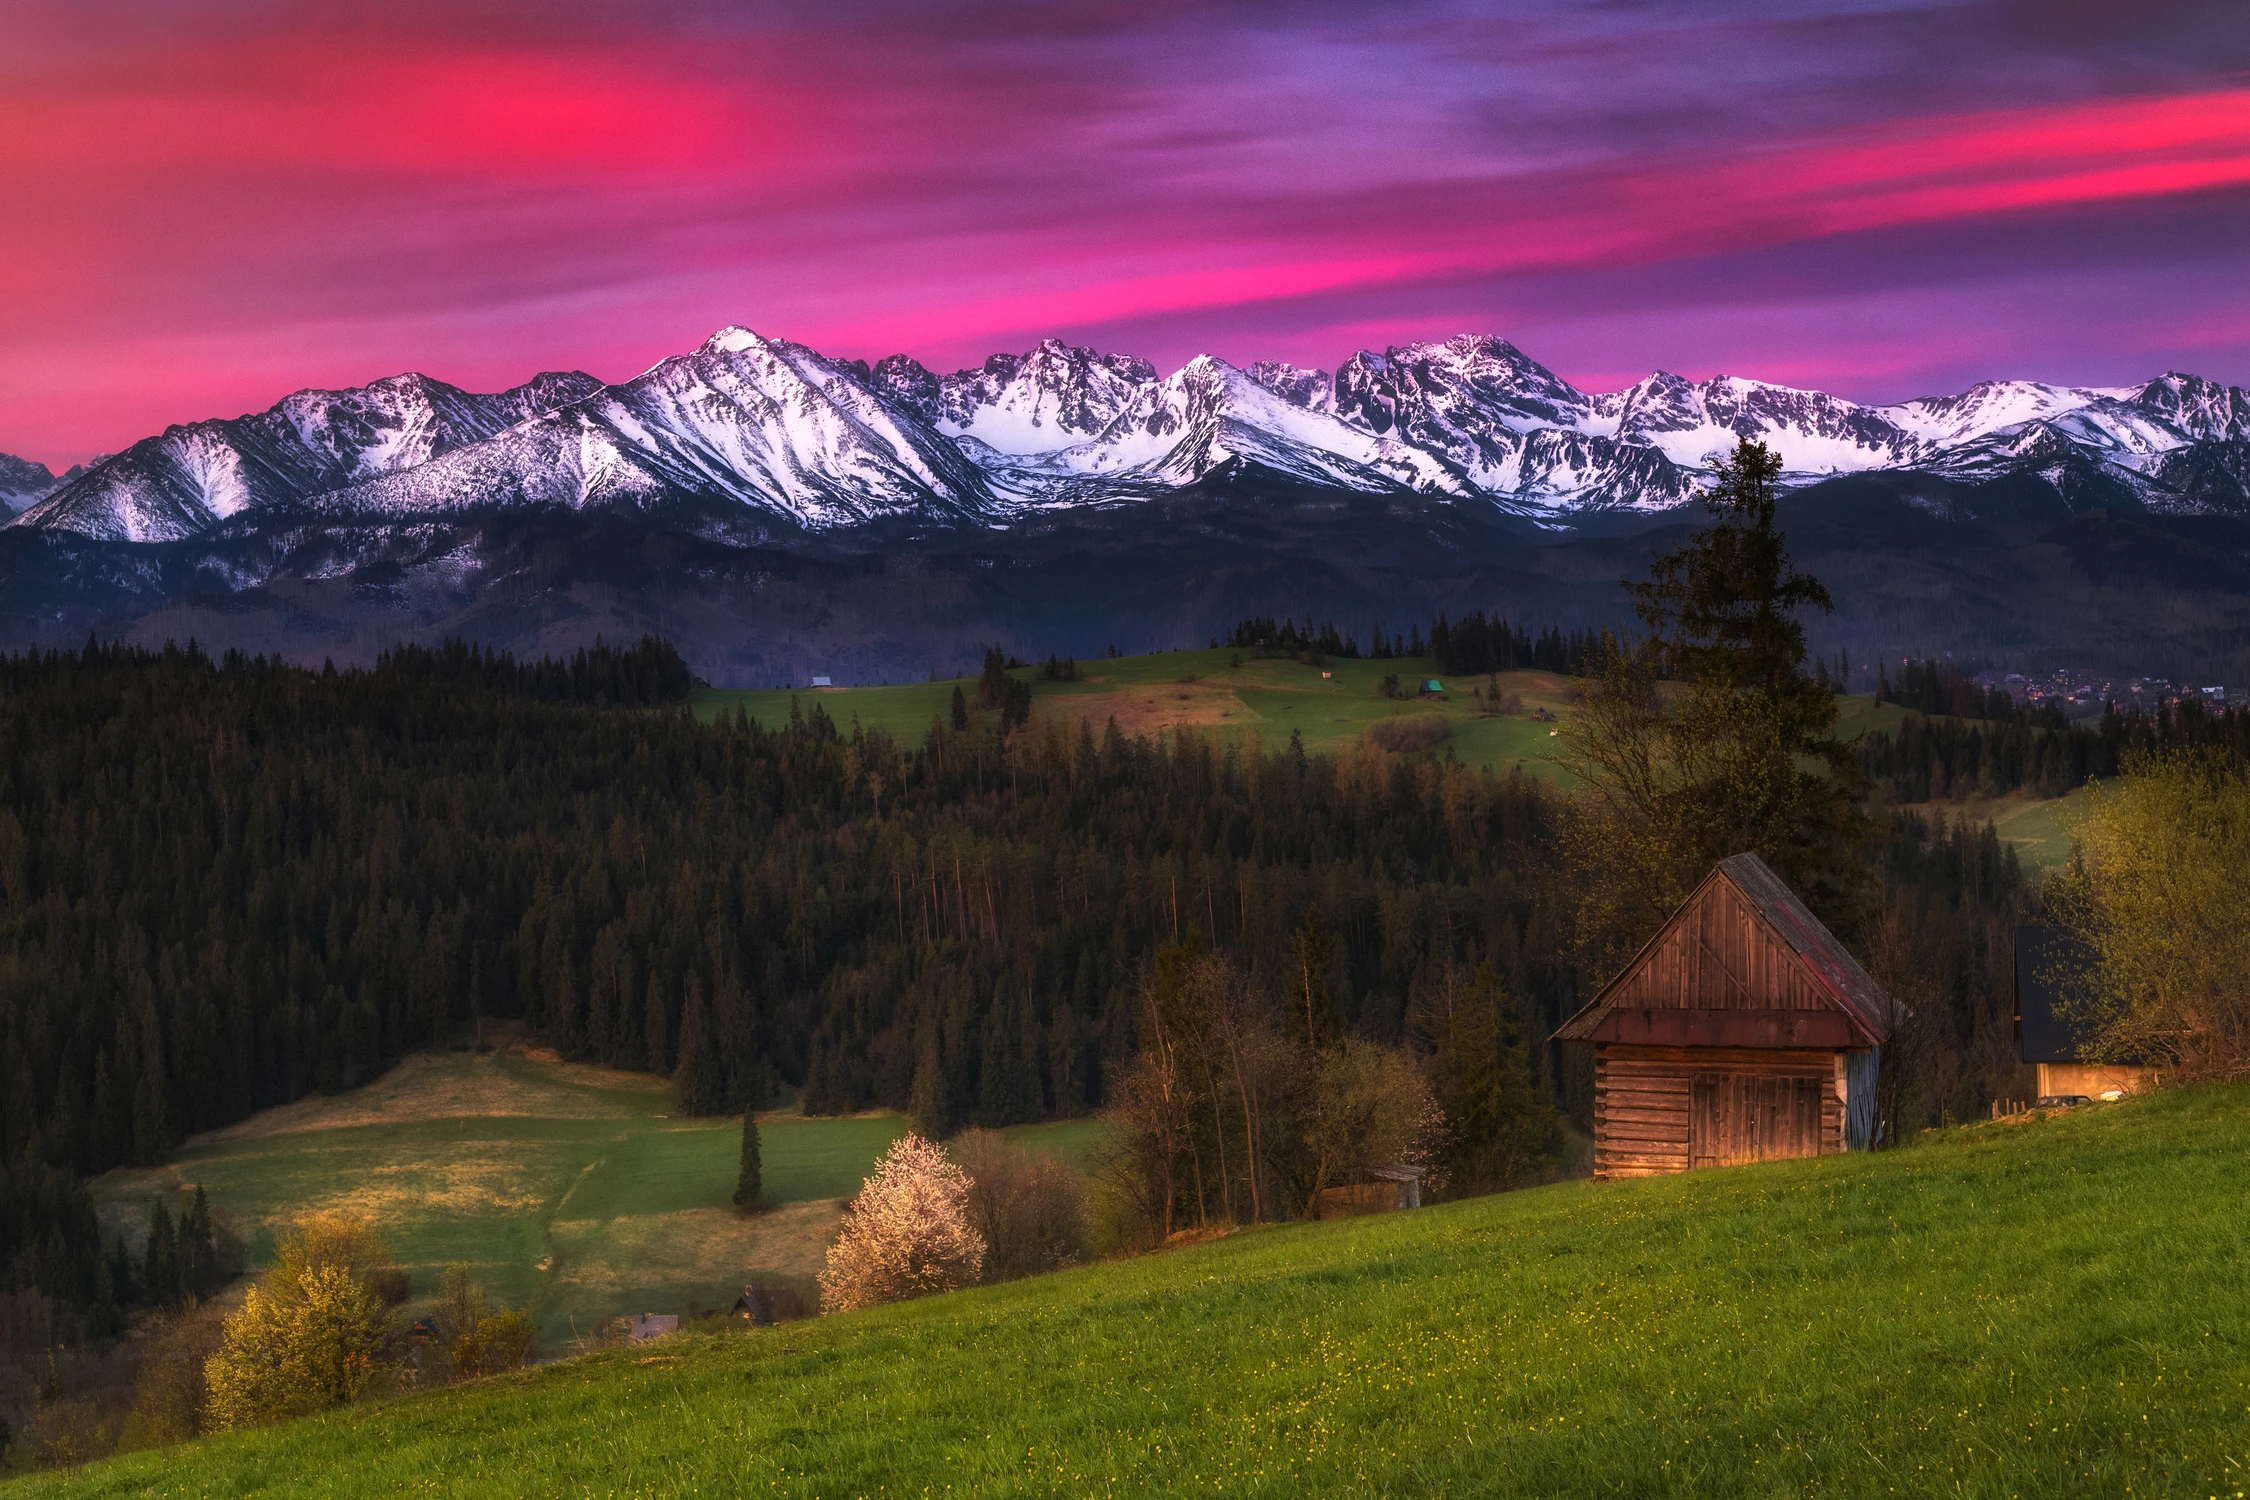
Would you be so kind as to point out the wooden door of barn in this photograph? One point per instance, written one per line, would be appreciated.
(1738, 1117)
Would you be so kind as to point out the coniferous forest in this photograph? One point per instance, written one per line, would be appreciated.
(230, 883)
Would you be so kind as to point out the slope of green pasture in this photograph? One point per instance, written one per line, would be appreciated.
(2047, 1307)
(568, 1190)
(1271, 697)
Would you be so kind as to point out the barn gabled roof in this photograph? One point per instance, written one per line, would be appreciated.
(1837, 974)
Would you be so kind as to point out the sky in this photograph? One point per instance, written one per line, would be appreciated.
(206, 204)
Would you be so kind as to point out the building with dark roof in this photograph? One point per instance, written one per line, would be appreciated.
(2047, 1036)
(1742, 1031)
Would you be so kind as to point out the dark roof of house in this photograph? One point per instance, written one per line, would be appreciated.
(2044, 1034)
(1853, 989)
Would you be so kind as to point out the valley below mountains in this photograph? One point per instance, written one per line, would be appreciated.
(780, 513)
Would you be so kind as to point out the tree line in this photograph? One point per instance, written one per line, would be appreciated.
(2012, 748)
(1478, 643)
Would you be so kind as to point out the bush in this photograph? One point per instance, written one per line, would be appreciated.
(495, 1342)
(907, 1232)
(2156, 897)
(1029, 1207)
(479, 1339)
(168, 1395)
(301, 1346)
(1410, 733)
(310, 1335)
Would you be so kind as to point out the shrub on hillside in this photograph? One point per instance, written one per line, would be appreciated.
(1413, 732)
(310, 1335)
(479, 1339)
(168, 1394)
(1029, 1208)
(303, 1347)
(907, 1232)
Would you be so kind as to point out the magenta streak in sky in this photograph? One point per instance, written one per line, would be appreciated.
(202, 223)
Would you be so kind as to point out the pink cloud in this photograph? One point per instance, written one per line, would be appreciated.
(203, 222)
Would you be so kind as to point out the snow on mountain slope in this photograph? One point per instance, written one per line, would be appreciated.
(1054, 397)
(761, 423)
(314, 442)
(1179, 429)
(23, 483)
(776, 430)
(1691, 421)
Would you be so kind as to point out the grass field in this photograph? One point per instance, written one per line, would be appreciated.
(2041, 828)
(1269, 697)
(2051, 1307)
(569, 1189)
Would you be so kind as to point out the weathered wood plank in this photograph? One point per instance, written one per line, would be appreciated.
(1671, 1106)
(1657, 1104)
(1669, 1078)
(1671, 1132)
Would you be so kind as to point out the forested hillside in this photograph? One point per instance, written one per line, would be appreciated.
(230, 883)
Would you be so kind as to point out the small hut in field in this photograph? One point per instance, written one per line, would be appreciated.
(1742, 1031)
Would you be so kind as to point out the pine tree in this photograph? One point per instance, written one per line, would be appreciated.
(160, 1268)
(1006, 1094)
(749, 1184)
(695, 1080)
(1745, 760)
(656, 1028)
(960, 709)
(199, 1246)
(930, 1101)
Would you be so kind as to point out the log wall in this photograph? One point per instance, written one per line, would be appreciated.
(1754, 1104)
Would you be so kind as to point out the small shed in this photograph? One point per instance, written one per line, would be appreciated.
(1743, 1031)
(642, 1327)
(2047, 1037)
(822, 682)
(1386, 1189)
(1432, 685)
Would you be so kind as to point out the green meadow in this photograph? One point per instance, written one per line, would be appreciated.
(569, 1190)
(1328, 707)
(2051, 1306)
(1232, 695)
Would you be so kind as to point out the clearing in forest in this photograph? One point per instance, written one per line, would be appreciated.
(570, 1190)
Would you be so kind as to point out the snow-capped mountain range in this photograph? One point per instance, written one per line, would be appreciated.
(781, 433)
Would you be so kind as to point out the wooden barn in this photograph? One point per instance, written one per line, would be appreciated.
(1743, 1031)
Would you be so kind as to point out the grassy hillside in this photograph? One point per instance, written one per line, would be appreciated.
(570, 1190)
(2046, 1308)
(1271, 697)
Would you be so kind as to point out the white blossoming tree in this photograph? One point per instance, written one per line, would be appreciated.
(908, 1233)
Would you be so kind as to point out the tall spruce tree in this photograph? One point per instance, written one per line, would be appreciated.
(198, 1246)
(1741, 757)
(750, 1181)
(696, 1082)
(160, 1262)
